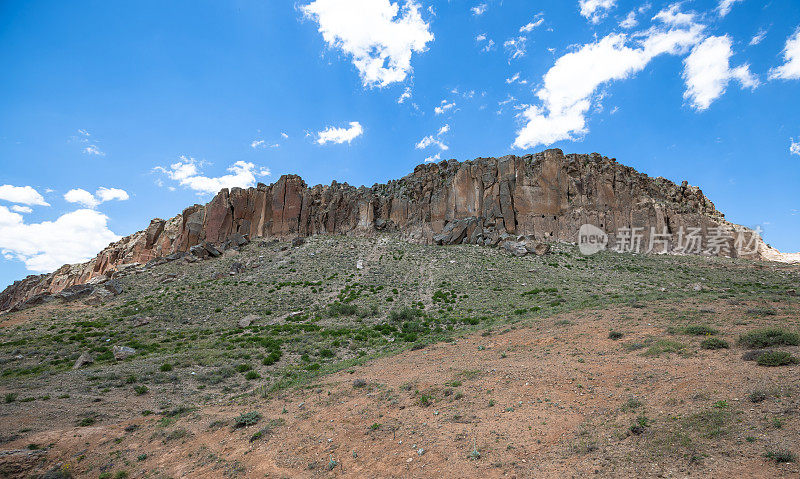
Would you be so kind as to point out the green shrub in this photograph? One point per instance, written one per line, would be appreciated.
(247, 419)
(166, 367)
(781, 455)
(776, 358)
(766, 337)
(140, 390)
(714, 343)
(252, 375)
(700, 330)
(615, 335)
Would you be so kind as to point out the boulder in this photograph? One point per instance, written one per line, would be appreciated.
(298, 241)
(74, 292)
(83, 360)
(141, 320)
(247, 320)
(237, 268)
(122, 352)
(536, 247)
(515, 248)
(113, 286)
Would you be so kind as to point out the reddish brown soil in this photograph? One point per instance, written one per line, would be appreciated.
(544, 399)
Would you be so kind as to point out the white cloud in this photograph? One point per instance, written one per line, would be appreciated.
(443, 107)
(340, 135)
(376, 33)
(257, 143)
(515, 78)
(479, 9)
(43, 247)
(93, 150)
(405, 95)
(81, 197)
(103, 194)
(22, 209)
(489, 42)
(431, 140)
(794, 146)
(790, 70)
(630, 21)
(758, 37)
(527, 28)
(284, 136)
(431, 159)
(108, 194)
(570, 86)
(516, 47)
(596, 10)
(674, 17)
(707, 72)
(725, 7)
(187, 172)
(25, 195)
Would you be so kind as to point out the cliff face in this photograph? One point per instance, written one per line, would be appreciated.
(546, 196)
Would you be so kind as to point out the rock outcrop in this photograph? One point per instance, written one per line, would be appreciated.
(542, 197)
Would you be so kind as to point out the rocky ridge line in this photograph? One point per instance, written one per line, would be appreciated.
(542, 197)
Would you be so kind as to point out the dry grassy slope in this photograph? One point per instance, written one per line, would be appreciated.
(546, 392)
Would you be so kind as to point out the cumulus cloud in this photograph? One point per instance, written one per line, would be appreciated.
(43, 247)
(377, 34)
(431, 159)
(707, 72)
(340, 135)
(790, 70)
(188, 173)
(794, 146)
(108, 194)
(571, 85)
(25, 195)
(21, 209)
(674, 16)
(596, 10)
(725, 7)
(89, 200)
(630, 20)
(444, 106)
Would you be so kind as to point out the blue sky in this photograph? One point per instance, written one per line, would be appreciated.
(113, 115)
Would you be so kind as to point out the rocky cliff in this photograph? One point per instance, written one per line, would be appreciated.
(546, 196)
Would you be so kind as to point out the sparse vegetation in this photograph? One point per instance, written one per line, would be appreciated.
(768, 337)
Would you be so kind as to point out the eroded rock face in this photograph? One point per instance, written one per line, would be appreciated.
(489, 201)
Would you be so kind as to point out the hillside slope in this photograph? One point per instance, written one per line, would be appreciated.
(546, 196)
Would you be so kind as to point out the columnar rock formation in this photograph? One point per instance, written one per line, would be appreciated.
(546, 196)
